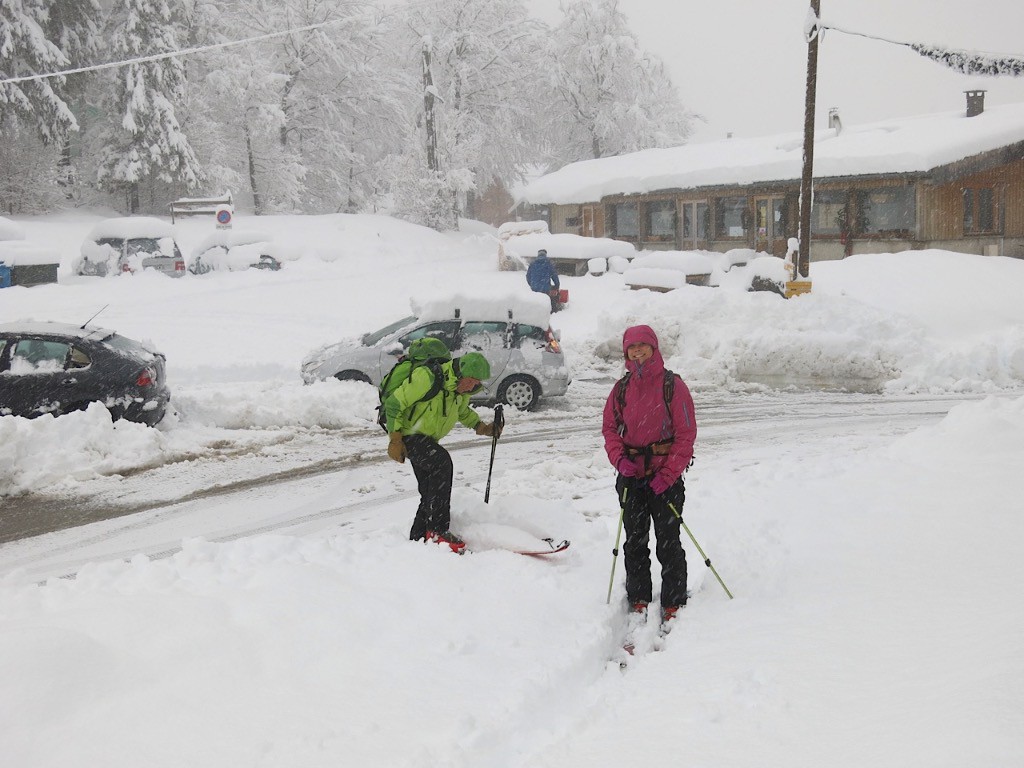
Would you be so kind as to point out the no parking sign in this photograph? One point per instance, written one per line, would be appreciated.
(224, 213)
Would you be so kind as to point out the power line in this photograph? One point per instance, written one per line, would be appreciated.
(169, 54)
(967, 62)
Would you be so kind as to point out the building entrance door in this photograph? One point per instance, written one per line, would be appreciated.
(593, 221)
(770, 235)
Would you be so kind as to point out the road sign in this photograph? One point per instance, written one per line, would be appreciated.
(224, 214)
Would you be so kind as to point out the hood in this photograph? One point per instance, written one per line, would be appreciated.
(642, 334)
(639, 334)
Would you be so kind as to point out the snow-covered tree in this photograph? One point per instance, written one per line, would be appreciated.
(302, 115)
(612, 97)
(480, 66)
(73, 26)
(146, 145)
(26, 50)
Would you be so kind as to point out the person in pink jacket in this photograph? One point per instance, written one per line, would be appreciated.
(649, 429)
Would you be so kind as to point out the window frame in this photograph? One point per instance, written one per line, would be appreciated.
(722, 229)
(865, 227)
(972, 218)
(836, 203)
(653, 207)
(615, 219)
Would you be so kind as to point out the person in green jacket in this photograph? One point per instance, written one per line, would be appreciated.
(415, 428)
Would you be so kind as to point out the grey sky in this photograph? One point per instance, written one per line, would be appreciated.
(742, 63)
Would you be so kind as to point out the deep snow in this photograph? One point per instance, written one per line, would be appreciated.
(876, 619)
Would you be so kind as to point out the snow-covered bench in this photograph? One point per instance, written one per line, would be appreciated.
(198, 206)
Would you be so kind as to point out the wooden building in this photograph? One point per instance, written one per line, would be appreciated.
(953, 181)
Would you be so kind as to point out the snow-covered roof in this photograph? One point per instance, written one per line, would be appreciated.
(905, 145)
(20, 253)
(526, 307)
(45, 328)
(129, 227)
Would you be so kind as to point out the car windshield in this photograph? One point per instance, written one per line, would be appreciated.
(372, 338)
(145, 245)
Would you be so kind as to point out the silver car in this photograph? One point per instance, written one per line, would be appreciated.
(526, 360)
(130, 244)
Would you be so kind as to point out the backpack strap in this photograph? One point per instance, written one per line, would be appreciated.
(620, 403)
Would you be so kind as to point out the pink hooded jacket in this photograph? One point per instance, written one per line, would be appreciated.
(645, 417)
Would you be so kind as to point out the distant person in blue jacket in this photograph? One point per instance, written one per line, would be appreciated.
(543, 278)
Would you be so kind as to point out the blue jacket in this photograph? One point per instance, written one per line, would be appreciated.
(541, 275)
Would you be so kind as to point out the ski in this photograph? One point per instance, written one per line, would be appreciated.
(554, 547)
(530, 547)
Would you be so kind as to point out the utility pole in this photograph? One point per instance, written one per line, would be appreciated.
(812, 30)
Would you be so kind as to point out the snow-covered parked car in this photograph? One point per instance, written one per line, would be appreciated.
(59, 368)
(761, 273)
(571, 254)
(668, 270)
(237, 249)
(130, 244)
(512, 332)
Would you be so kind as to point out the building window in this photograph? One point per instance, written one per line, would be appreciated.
(625, 220)
(572, 221)
(890, 212)
(661, 220)
(980, 210)
(731, 218)
(828, 213)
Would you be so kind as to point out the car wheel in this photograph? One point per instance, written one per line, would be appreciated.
(519, 391)
(352, 376)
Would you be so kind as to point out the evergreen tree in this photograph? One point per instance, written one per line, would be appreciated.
(146, 145)
(26, 50)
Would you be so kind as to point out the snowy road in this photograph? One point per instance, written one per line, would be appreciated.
(309, 482)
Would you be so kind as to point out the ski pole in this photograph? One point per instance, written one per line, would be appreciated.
(707, 560)
(499, 423)
(615, 551)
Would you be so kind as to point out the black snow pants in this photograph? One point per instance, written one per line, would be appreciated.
(432, 465)
(640, 506)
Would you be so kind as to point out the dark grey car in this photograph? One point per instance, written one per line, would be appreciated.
(58, 368)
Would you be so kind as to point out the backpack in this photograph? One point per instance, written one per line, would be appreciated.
(428, 351)
(668, 389)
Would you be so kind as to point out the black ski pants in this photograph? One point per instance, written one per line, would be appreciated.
(641, 506)
(432, 465)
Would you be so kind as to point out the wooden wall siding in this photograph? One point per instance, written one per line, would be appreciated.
(943, 204)
(559, 218)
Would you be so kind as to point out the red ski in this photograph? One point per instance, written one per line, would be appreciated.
(554, 547)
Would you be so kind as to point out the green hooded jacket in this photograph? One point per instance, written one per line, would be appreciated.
(434, 418)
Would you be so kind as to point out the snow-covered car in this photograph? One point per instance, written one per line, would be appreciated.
(237, 249)
(513, 333)
(59, 368)
(571, 254)
(130, 244)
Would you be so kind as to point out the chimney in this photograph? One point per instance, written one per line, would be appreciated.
(834, 121)
(975, 102)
